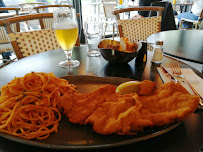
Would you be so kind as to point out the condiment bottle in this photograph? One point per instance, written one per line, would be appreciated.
(142, 54)
(157, 52)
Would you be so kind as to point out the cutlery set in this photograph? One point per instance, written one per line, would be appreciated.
(178, 77)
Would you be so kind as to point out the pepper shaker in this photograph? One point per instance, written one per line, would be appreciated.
(142, 54)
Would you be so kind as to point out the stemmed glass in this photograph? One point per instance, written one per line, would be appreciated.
(66, 31)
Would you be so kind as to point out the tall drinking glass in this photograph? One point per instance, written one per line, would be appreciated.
(93, 35)
(66, 31)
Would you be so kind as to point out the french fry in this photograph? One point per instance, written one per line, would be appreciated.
(124, 45)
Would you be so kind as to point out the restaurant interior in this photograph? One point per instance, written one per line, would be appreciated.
(101, 75)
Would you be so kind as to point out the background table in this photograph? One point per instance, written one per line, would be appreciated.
(183, 44)
(6, 15)
(182, 5)
(186, 137)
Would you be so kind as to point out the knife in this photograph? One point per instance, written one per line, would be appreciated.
(168, 74)
(182, 81)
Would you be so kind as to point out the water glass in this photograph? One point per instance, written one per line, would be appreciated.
(93, 35)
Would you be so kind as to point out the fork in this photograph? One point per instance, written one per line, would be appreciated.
(175, 67)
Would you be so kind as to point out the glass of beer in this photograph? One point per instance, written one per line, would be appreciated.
(66, 31)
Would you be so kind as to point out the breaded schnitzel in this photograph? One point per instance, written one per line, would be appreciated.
(78, 106)
(110, 112)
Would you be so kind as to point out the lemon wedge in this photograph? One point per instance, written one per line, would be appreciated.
(128, 87)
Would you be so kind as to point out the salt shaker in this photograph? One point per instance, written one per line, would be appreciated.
(157, 52)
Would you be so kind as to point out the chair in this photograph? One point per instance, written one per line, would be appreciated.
(29, 43)
(194, 22)
(5, 46)
(109, 6)
(168, 20)
(32, 42)
(139, 29)
(48, 22)
(200, 26)
(16, 9)
(43, 7)
(65, 2)
(28, 7)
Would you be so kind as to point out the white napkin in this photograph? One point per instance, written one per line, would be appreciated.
(195, 81)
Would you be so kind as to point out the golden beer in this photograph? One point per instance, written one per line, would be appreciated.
(67, 37)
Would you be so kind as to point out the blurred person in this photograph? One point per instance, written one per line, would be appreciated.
(193, 15)
(2, 4)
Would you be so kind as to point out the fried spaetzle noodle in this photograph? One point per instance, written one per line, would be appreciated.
(28, 105)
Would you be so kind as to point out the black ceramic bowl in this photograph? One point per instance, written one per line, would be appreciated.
(114, 56)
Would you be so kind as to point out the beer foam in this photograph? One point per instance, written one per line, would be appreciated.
(65, 25)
